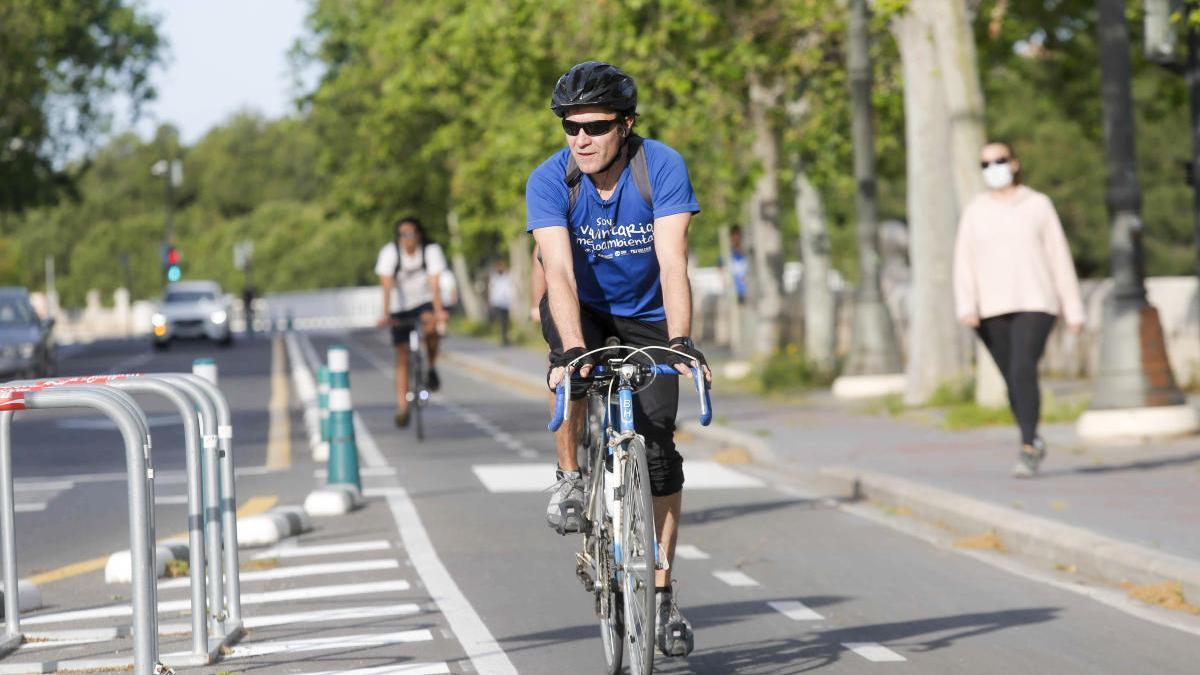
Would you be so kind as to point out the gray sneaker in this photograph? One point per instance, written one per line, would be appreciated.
(1028, 463)
(565, 512)
(673, 633)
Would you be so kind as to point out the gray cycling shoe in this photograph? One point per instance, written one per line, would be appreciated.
(673, 633)
(1028, 463)
(565, 512)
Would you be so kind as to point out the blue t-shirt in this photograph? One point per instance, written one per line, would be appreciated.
(616, 269)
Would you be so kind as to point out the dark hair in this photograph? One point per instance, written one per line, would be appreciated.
(735, 229)
(1011, 155)
(422, 240)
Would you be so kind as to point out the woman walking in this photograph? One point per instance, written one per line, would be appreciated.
(1013, 277)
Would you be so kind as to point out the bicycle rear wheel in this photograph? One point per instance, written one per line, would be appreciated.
(611, 610)
(639, 550)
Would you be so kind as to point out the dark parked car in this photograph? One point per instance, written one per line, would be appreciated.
(27, 347)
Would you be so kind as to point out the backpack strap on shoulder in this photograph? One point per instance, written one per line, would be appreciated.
(573, 177)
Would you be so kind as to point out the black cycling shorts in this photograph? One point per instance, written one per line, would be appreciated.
(654, 408)
(404, 322)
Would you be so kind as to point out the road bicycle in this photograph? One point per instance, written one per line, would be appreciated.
(620, 552)
(418, 393)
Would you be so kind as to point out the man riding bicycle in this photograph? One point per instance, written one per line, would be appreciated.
(615, 265)
(409, 271)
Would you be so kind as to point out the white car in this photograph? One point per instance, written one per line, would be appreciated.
(192, 309)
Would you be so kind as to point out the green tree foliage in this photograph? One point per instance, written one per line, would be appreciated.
(60, 60)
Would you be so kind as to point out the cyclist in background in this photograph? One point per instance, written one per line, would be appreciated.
(615, 265)
(409, 268)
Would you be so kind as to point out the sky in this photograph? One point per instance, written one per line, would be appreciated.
(223, 56)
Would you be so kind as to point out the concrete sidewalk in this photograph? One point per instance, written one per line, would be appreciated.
(1115, 513)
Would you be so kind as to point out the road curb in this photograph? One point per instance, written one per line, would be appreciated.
(29, 596)
(335, 499)
(524, 383)
(271, 527)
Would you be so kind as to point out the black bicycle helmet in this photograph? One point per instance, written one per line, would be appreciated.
(594, 83)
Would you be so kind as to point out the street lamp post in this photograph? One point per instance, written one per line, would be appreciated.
(873, 351)
(1134, 380)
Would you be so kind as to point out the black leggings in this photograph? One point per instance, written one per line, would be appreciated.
(1016, 341)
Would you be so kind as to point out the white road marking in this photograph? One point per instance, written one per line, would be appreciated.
(366, 471)
(527, 477)
(249, 649)
(533, 477)
(407, 669)
(311, 593)
(169, 500)
(689, 552)
(299, 571)
(368, 449)
(873, 651)
(795, 610)
(29, 507)
(526, 453)
(486, 654)
(735, 578)
(294, 551)
(340, 614)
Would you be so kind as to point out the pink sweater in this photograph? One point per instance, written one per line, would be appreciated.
(1012, 256)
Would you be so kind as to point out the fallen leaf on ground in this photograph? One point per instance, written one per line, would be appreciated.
(733, 456)
(1168, 595)
(260, 564)
(988, 541)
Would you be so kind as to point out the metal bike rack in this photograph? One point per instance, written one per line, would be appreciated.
(123, 411)
(228, 492)
(211, 519)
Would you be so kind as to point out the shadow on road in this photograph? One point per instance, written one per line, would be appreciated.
(721, 513)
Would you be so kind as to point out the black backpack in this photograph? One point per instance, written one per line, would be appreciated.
(637, 166)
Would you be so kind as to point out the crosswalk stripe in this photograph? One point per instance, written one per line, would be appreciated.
(248, 649)
(170, 500)
(689, 552)
(293, 551)
(43, 486)
(536, 477)
(298, 571)
(735, 578)
(409, 669)
(339, 614)
(29, 507)
(873, 651)
(311, 593)
(795, 610)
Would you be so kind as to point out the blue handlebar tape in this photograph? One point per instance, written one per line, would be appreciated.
(702, 390)
(665, 369)
(560, 407)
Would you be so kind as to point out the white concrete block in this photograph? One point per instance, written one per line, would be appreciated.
(264, 530)
(321, 451)
(119, 568)
(1137, 424)
(868, 386)
(297, 520)
(29, 596)
(328, 502)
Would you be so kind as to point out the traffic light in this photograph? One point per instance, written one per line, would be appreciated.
(171, 259)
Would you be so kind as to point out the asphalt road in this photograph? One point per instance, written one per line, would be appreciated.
(775, 579)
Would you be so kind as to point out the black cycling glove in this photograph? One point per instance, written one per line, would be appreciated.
(687, 349)
(564, 359)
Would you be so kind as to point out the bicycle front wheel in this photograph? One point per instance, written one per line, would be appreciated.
(416, 385)
(639, 548)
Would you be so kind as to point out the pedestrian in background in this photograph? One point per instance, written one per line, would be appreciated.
(738, 263)
(500, 297)
(1013, 277)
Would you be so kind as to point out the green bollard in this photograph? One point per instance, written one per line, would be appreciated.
(323, 401)
(343, 450)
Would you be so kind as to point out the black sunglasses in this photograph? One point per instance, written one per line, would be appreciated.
(1002, 160)
(593, 129)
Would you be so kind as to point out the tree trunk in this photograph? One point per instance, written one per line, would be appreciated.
(955, 44)
(764, 285)
(820, 309)
(519, 250)
(468, 293)
(936, 352)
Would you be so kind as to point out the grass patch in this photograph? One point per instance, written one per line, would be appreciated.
(177, 568)
(788, 370)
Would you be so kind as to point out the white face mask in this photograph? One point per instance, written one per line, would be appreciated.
(998, 176)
